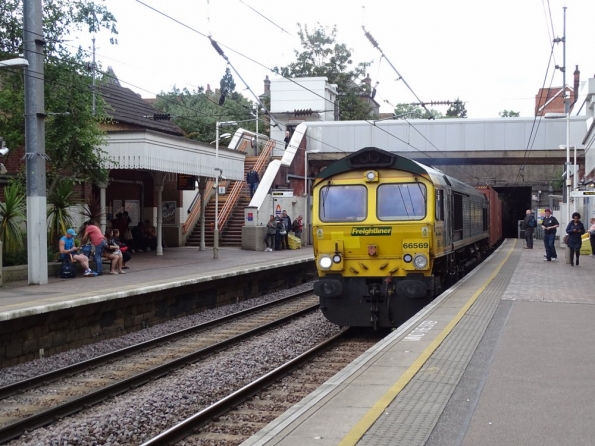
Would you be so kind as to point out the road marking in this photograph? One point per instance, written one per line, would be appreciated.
(359, 430)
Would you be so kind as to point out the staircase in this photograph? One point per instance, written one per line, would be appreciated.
(231, 234)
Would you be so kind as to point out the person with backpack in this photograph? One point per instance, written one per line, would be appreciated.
(529, 225)
(68, 254)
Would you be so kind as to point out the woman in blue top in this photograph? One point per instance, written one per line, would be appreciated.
(575, 230)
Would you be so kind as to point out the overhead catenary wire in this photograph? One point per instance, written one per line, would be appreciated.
(375, 45)
(242, 55)
(219, 48)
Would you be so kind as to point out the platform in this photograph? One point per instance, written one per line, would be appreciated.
(147, 271)
(42, 320)
(504, 357)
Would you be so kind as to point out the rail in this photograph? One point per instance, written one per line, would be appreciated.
(185, 428)
(47, 416)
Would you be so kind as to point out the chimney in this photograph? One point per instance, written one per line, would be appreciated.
(577, 81)
(267, 86)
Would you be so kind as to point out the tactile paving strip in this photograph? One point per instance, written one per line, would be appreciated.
(411, 417)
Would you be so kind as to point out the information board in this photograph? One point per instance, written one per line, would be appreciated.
(186, 182)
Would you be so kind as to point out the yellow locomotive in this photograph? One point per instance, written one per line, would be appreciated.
(389, 234)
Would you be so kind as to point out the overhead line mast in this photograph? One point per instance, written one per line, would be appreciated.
(375, 45)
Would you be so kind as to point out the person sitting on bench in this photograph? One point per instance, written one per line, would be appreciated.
(67, 247)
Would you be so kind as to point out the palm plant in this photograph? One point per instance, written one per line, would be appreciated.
(93, 211)
(12, 215)
(59, 202)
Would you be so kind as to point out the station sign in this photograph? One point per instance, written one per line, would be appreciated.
(582, 193)
(282, 193)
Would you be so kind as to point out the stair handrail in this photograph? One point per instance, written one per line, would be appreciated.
(196, 210)
(237, 187)
(192, 219)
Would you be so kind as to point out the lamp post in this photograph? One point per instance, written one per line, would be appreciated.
(219, 173)
(307, 221)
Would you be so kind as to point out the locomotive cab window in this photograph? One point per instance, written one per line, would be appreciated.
(343, 203)
(403, 201)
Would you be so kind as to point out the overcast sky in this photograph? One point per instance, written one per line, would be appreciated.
(491, 54)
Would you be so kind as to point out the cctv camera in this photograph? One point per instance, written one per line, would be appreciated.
(3, 170)
(4, 151)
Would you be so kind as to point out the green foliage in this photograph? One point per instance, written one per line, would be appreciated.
(92, 211)
(72, 141)
(227, 82)
(509, 114)
(197, 112)
(59, 203)
(12, 216)
(323, 56)
(557, 181)
(61, 18)
(456, 110)
(408, 111)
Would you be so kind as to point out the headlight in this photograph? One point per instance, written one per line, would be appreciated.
(420, 261)
(407, 258)
(337, 258)
(325, 262)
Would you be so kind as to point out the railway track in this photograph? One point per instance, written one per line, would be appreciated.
(236, 417)
(36, 402)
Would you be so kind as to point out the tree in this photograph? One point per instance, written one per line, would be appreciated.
(323, 56)
(456, 110)
(72, 141)
(509, 114)
(197, 112)
(409, 111)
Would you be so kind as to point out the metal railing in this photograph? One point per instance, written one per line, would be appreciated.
(237, 187)
(197, 207)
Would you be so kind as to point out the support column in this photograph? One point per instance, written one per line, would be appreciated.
(159, 220)
(102, 206)
(37, 246)
(159, 178)
(202, 186)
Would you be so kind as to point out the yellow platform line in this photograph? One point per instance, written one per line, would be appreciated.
(358, 431)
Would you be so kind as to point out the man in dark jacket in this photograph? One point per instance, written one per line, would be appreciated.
(529, 224)
(286, 220)
(549, 235)
(252, 179)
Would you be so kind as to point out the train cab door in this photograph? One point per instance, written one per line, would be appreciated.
(447, 215)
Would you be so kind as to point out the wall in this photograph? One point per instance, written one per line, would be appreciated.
(59, 331)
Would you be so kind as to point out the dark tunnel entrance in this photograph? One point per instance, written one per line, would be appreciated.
(515, 202)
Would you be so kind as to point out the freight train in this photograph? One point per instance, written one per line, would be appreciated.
(390, 234)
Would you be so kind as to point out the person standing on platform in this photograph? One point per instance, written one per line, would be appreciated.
(269, 238)
(575, 230)
(287, 138)
(550, 223)
(286, 220)
(529, 225)
(298, 226)
(93, 233)
(592, 236)
(252, 179)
